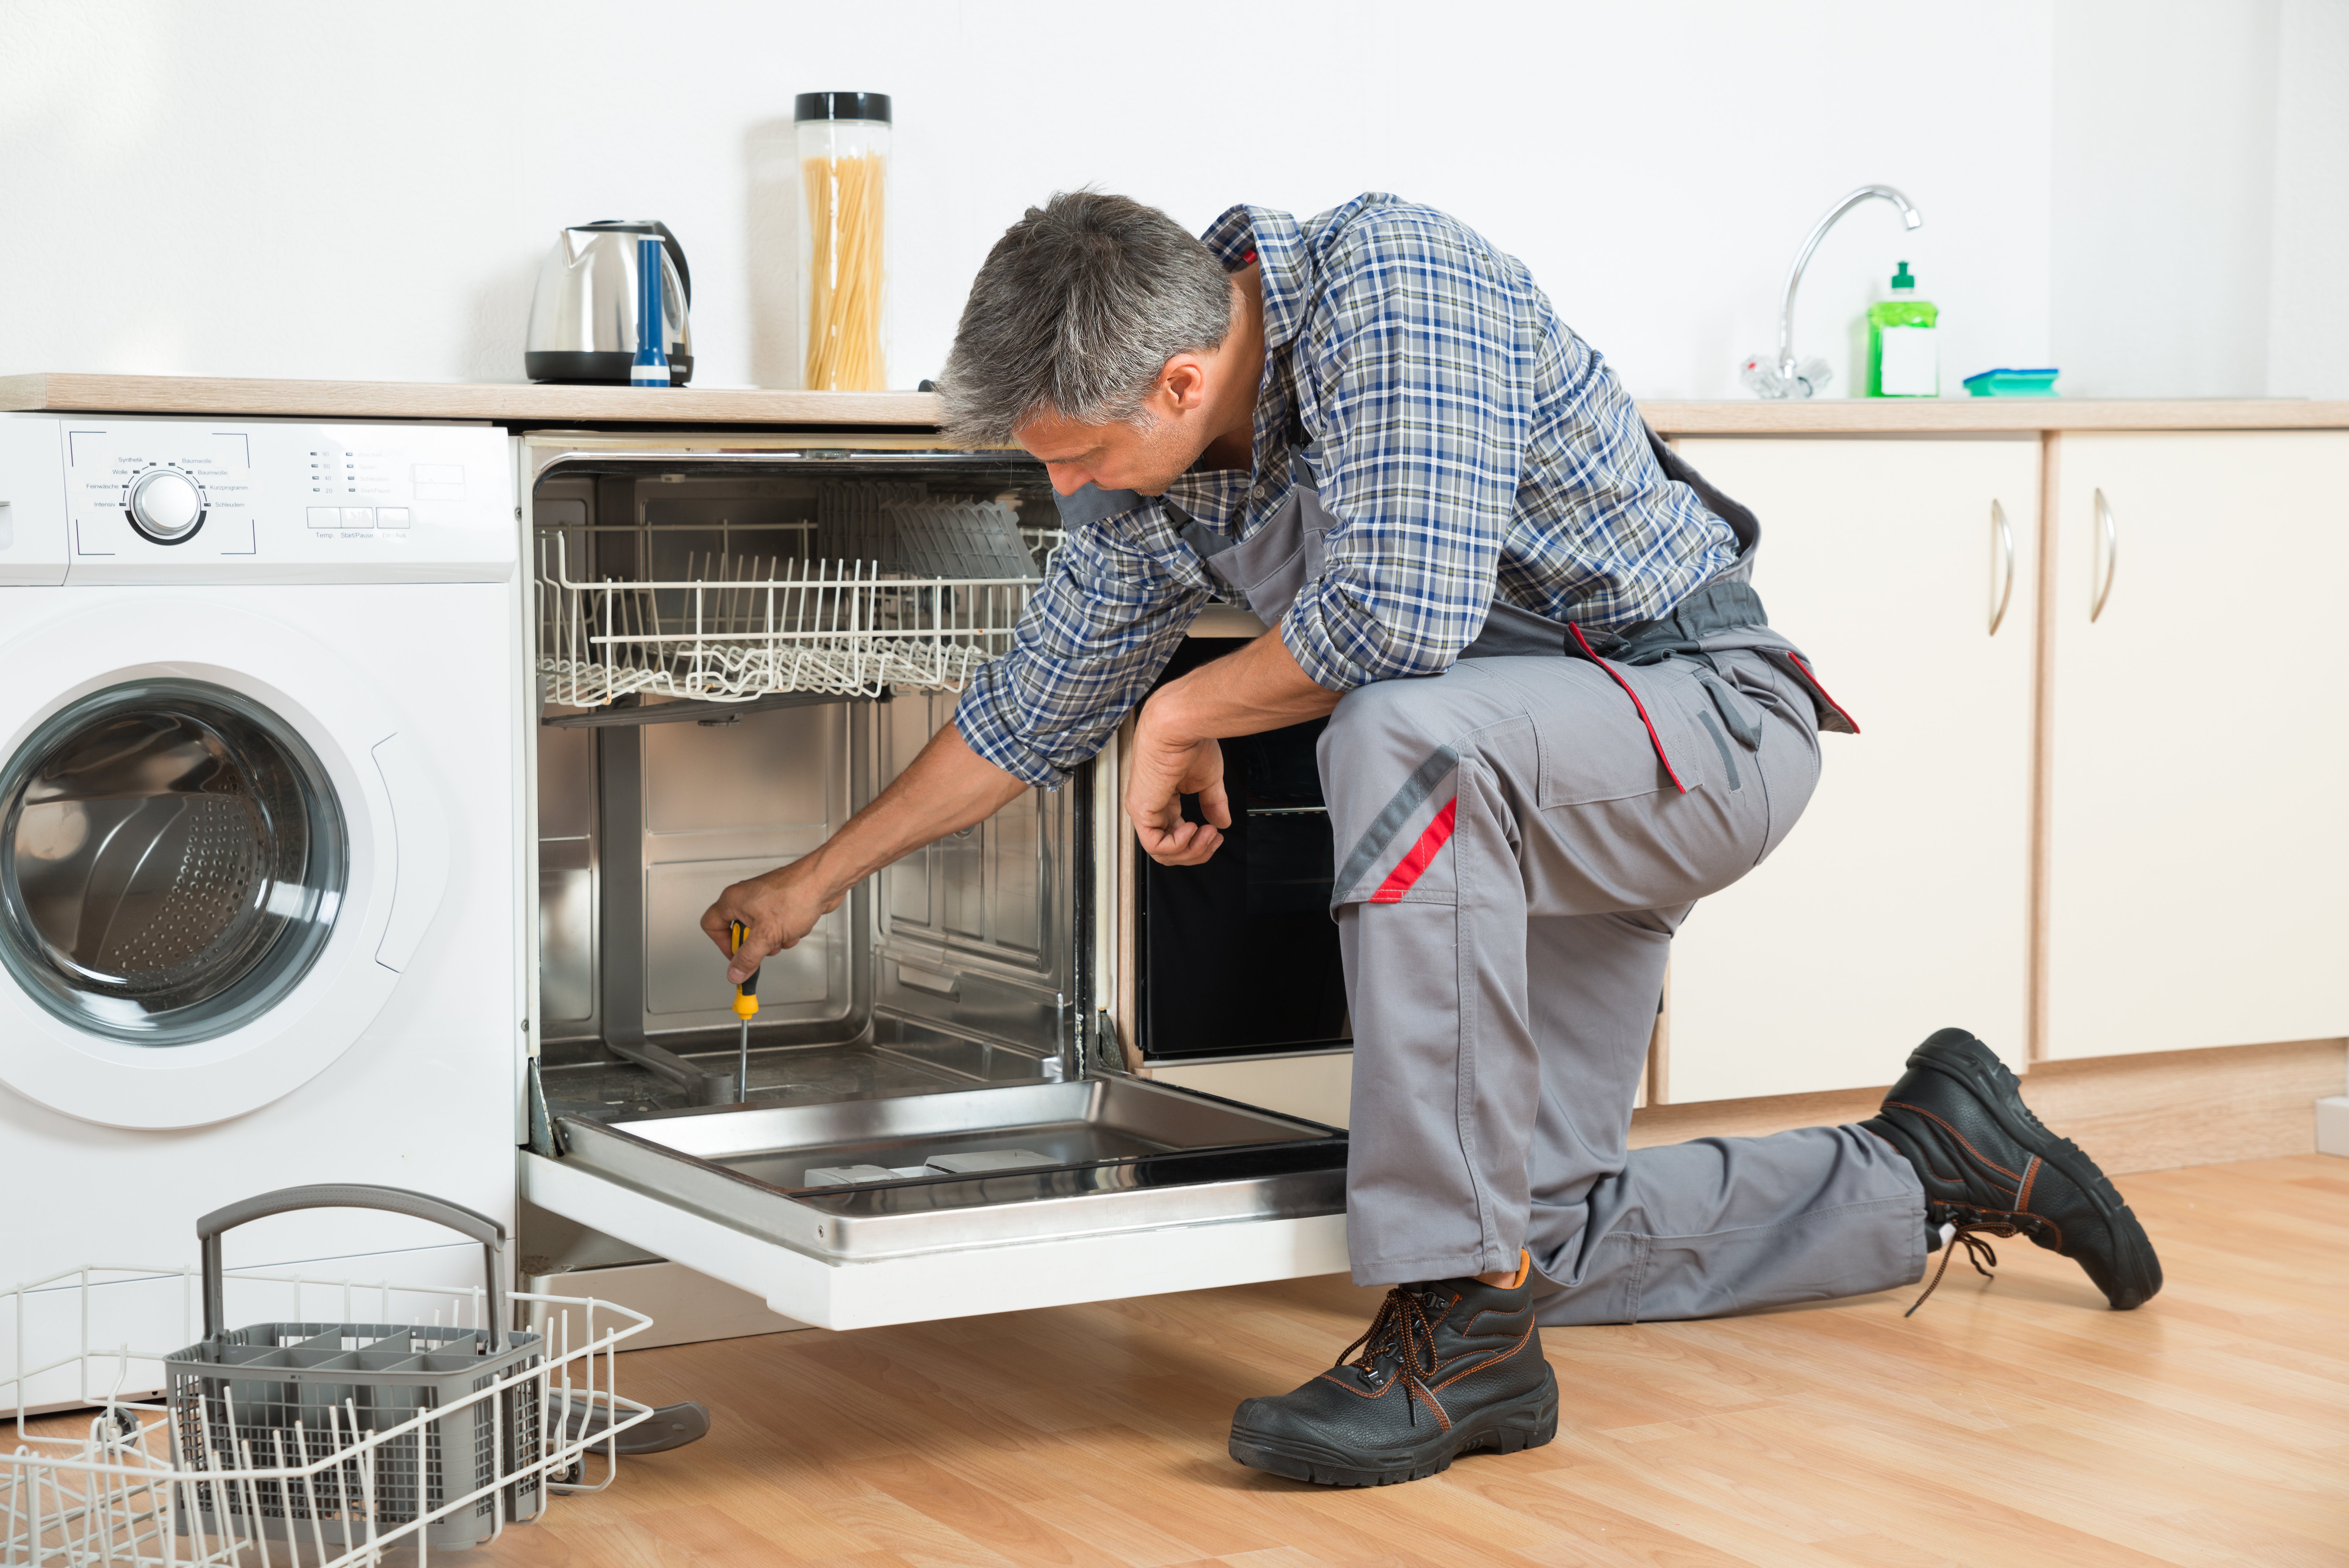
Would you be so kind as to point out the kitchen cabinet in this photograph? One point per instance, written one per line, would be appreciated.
(1900, 902)
(2199, 850)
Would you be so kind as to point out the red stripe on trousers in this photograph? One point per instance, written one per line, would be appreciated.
(1804, 666)
(1414, 865)
(1653, 739)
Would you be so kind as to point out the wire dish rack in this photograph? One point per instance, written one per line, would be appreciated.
(226, 1471)
(894, 588)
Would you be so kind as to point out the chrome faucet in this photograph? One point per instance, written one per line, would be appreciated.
(1782, 377)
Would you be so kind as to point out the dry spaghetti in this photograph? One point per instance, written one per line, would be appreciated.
(844, 276)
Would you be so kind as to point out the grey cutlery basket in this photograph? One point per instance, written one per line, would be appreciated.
(289, 1396)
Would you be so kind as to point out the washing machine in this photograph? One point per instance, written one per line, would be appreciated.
(260, 728)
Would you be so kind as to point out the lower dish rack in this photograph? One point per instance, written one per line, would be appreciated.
(112, 1488)
(300, 1441)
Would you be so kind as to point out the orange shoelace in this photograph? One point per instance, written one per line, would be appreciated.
(1402, 1330)
(1976, 1224)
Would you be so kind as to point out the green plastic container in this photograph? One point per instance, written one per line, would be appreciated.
(1907, 363)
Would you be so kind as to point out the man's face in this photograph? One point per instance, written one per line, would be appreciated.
(1202, 400)
(1118, 456)
(1197, 396)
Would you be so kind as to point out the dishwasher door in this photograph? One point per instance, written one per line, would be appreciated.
(896, 1210)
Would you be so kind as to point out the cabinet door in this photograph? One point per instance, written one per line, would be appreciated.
(2200, 844)
(1900, 902)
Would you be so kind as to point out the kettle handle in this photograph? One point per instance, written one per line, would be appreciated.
(677, 255)
(669, 243)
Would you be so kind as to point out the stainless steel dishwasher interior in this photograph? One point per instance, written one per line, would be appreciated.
(951, 970)
(916, 1081)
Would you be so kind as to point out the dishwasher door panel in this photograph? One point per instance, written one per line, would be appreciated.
(1042, 1190)
(960, 1282)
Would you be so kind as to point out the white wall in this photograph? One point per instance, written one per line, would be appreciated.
(2164, 175)
(2308, 325)
(364, 190)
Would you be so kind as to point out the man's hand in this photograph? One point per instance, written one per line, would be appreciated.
(1175, 751)
(779, 908)
(1165, 770)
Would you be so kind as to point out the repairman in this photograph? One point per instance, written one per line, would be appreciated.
(1558, 717)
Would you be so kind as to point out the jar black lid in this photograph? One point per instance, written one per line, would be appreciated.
(841, 106)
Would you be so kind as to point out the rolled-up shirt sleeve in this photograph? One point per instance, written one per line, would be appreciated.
(1415, 374)
(1119, 597)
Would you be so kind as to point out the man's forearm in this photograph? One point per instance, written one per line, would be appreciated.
(1258, 689)
(945, 788)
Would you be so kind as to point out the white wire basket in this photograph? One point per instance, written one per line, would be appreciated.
(741, 628)
(846, 587)
(737, 628)
(112, 1488)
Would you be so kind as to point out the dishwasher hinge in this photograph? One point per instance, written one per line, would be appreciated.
(1102, 1058)
(545, 1138)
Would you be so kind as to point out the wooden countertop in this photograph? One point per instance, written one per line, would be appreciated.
(520, 402)
(525, 403)
(1964, 416)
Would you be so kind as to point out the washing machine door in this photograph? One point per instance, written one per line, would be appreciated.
(172, 856)
(219, 850)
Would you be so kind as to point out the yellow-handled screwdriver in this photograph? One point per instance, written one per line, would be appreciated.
(746, 1003)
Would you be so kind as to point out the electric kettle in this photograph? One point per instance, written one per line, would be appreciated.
(583, 317)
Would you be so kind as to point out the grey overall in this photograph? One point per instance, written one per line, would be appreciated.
(1517, 839)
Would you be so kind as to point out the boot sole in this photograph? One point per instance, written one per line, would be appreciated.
(1525, 1422)
(1973, 1064)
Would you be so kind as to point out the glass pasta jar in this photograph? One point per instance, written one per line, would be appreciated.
(844, 147)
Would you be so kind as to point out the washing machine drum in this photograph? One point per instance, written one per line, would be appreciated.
(171, 861)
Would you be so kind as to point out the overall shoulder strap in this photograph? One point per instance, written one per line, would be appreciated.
(1090, 504)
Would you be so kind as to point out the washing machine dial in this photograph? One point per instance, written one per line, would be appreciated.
(165, 505)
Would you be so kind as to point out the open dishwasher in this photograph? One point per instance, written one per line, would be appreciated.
(739, 640)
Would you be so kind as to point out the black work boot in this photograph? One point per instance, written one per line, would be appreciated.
(1445, 1368)
(1990, 1168)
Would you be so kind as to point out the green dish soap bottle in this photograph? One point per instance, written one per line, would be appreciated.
(1904, 357)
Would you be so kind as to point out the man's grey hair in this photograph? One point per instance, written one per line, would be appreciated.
(1078, 310)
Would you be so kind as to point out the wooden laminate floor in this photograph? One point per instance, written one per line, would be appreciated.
(2015, 1423)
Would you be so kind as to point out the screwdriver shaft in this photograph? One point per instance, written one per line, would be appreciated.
(746, 1005)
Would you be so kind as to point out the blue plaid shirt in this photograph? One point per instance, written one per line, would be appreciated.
(1469, 442)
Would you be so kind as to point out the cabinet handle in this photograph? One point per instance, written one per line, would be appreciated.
(2108, 541)
(2001, 543)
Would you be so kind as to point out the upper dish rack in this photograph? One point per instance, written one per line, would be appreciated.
(888, 587)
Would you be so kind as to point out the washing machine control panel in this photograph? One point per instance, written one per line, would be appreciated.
(180, 500)
(166, 505)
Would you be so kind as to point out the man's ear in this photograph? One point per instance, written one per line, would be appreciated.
(1184, 384)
